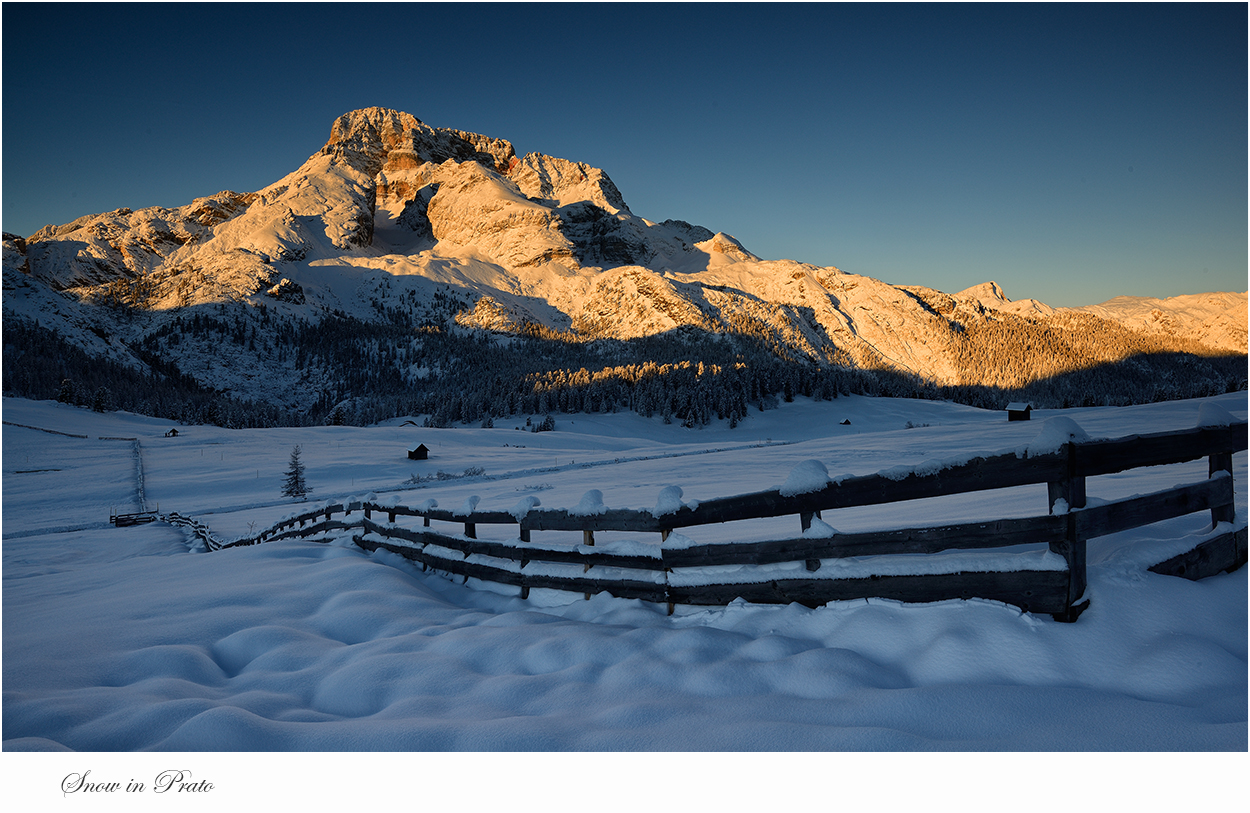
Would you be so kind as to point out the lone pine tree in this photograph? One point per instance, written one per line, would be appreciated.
(295, 485)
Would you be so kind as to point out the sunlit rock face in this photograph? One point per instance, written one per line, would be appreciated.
(477, 207)
(97, 249)
(368, 138)
(558, 182)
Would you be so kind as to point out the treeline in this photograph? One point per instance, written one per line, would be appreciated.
(1012, 352)
(41, 364)
(350, 371)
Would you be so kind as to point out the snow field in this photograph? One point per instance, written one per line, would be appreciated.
(121, 640)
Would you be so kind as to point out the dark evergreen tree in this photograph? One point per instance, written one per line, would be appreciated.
(295, 485)
(103, 400)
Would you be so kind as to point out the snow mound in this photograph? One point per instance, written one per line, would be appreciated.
(805, 478)
(820, 530)
(591, 504)
(623, 547)
(1055, 433)
(467, 506)
(1212, 415)
(669, 501)
(676, 541)
(523, 507)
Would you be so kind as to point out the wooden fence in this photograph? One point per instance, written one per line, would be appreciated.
(649, 571)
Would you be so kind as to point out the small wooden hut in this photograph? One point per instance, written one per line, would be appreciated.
(419, 453)
(1018, 411)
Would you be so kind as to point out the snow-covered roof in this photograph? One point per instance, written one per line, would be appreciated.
(1018, 406)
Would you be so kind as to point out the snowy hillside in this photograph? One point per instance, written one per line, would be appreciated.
(1217, 320)
(397, 224)
(301, 646)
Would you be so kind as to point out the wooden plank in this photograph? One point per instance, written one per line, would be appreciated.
(647, 591)
(1121, 515)
(1032, 591)
(505, 550)
(298, 533)
(1157, 449)
(614, 519)
(474, 517)
(1221, 554)
(1001, 471)
(970, 536)
(393, 510)
(980, 474)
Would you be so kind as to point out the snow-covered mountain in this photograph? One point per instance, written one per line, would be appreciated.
(1216, 319)
(396, 220)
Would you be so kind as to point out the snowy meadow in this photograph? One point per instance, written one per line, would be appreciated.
(135, 639)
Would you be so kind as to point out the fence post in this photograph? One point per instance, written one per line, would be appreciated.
(1070, 488)
(805, 522)
(1222, 462)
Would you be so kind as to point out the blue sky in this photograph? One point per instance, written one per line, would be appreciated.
(1070, 152)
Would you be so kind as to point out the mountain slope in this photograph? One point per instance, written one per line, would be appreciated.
(400, 225)
(1216, 320)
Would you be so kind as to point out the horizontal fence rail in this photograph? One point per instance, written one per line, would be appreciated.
(1056, 585)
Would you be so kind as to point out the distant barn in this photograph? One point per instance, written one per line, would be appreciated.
(1018, 411)
(419, 453)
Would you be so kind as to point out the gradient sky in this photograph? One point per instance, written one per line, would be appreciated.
(1070, 152)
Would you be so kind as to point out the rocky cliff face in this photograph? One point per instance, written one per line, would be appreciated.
(375, 139)
(557, 182)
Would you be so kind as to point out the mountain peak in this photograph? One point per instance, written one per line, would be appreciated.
(991, 291)
(990, 294)
(721, 243)
(374, 138)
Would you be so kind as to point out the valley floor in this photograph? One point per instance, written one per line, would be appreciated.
(125, 639)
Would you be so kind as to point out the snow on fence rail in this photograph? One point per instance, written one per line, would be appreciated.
(681, 571)
(198, 529)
